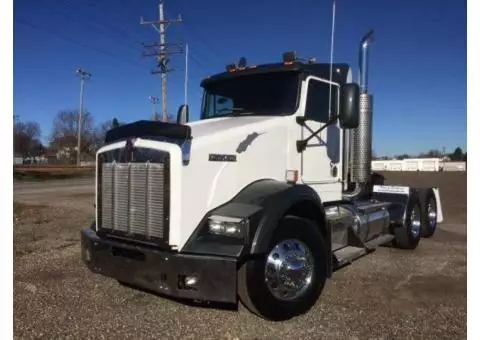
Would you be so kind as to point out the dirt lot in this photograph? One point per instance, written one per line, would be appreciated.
(391, 294)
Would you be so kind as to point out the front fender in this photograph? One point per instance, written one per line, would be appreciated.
(276, 199)
(264, 203)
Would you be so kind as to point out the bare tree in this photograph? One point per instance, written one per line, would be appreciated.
(431, 154)
(65, 133)
(101, 130)
(100, 133)
(170, 118)
(26, 138)
(402, 156)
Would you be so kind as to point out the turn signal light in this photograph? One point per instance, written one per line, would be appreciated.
(291, 176)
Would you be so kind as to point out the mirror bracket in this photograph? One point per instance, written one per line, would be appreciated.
(301, 120)
(302, 144)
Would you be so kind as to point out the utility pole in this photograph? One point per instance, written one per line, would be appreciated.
(161, 52)
(83, 76)
(154, 101)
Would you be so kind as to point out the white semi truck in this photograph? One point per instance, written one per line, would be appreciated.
(258, 201)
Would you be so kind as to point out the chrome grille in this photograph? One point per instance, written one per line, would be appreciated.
(133, 197)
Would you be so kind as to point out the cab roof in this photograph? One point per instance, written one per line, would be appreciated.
(321, 70)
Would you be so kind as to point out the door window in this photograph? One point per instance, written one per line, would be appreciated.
(317, 106)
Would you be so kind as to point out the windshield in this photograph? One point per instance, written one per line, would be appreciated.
(256, 94)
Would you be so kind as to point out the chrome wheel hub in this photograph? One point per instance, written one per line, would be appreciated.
(415, 222)
(432, 214)
(289, 269)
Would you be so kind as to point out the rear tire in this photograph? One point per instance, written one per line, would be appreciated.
(262, 287)
(408, 235)
(428, 203)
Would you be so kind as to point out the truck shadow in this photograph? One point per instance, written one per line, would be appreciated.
(186, 302)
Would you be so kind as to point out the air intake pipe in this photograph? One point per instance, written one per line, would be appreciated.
(360, 141)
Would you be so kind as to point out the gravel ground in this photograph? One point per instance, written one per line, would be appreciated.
(390, 294)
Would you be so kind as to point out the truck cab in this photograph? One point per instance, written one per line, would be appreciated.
(259, 200)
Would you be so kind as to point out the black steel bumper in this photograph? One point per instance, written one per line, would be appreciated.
(160, 271)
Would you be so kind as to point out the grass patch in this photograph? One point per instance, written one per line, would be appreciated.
(45, 175)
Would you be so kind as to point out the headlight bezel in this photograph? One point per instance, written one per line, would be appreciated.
(234, 227)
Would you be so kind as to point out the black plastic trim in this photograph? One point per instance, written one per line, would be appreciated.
(264, 203)
(203, 242)
(161, 271)
(146, 128)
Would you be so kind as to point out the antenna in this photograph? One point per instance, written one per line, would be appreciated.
(331, 60)
(186, 74)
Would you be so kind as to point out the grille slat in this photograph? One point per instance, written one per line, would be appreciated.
(156, 201)
(133, 197)
(138, 199)
(107, 196)
(120, 198)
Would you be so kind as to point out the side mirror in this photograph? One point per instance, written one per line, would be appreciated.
(349, 106)
(182, 114)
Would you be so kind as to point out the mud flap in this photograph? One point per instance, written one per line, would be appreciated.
(436, 191)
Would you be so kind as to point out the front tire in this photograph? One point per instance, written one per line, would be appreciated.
(288, 279)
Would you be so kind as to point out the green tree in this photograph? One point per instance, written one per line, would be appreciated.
(115, 123)
(457, 155)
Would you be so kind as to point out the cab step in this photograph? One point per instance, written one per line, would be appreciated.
(378, 241)
(348, 254)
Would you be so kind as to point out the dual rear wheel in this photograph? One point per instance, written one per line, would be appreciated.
(420, 220)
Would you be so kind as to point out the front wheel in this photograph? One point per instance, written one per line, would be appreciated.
(288, 279)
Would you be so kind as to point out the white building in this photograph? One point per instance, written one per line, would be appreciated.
(418, 164)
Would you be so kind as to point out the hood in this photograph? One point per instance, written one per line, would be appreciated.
(215, 126)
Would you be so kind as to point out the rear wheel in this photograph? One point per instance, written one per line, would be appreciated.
(408, 235)
(429, 212)
(287, 280)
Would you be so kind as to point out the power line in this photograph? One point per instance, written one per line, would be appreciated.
(121, 35)
(161, 52)
(196, 33)
(87, 46)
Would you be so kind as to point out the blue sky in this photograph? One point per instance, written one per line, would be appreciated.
(417, 69)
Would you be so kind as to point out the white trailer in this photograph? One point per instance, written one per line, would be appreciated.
(409, 164)
(455, 166)
(257, 202)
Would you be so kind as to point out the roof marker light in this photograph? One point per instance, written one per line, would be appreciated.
(289, 57)
(231, 68)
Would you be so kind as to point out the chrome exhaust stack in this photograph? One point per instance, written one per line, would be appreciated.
(360, 138)
(363, 61)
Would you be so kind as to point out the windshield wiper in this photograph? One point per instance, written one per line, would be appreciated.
(235, 112)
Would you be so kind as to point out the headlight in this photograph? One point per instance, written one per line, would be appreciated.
(228, 226)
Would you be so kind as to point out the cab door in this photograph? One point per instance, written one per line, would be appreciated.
(321, 163)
